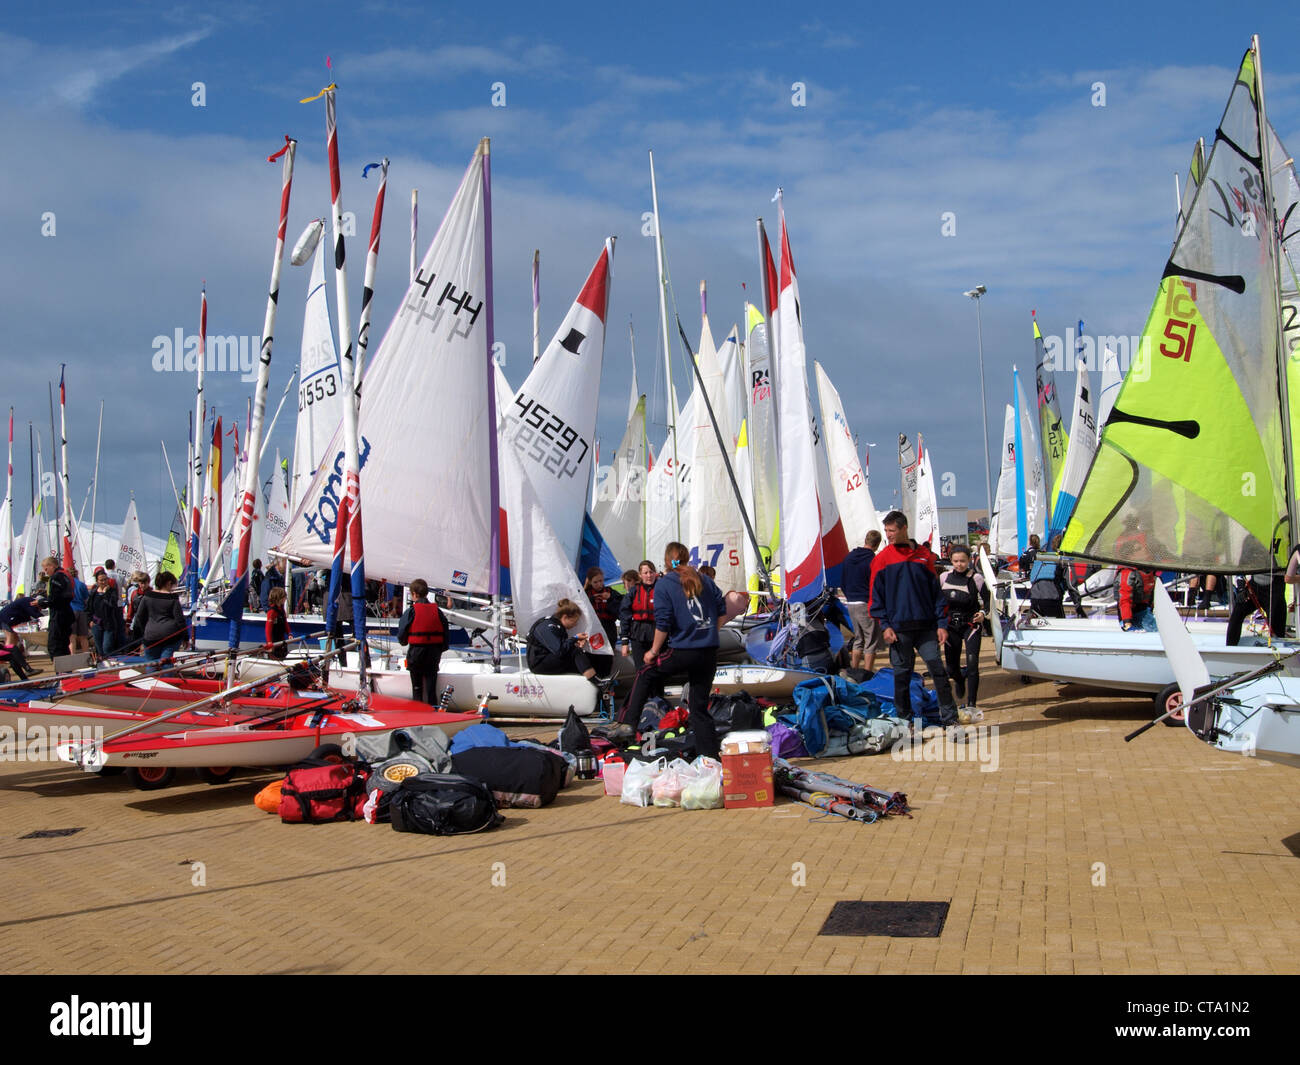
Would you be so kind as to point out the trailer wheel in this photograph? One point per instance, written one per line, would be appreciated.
(1170, 701)
(216, 774)
(150, 778)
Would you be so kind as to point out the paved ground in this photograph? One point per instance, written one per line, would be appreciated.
(1074, 853)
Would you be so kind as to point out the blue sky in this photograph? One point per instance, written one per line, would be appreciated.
(987, 113)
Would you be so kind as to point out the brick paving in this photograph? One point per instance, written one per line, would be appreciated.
(1077, 854)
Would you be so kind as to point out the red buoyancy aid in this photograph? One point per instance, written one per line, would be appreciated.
(643, 603)
(600, 603)
(426, 627)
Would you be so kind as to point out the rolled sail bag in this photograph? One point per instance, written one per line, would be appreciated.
(517, 776)
(443, 804)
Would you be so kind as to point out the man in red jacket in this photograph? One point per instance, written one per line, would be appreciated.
(910, 609)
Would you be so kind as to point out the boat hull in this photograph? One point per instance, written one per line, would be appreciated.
(1260, 718)
(245, 745)
(1101, 655)
(517, 693)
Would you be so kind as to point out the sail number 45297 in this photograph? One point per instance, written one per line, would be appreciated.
(1180, 330)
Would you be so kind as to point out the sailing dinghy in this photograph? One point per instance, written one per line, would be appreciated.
(1193, 471)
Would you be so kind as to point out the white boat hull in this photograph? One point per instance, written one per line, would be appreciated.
(518, 693)
(1260, 718)
(1099, 654)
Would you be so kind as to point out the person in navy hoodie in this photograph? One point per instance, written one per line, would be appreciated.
(689, 610)
(856, 574)
(913, 616)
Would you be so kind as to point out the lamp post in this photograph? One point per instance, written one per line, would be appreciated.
(975, 295)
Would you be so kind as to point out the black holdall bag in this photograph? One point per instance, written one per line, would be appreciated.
(443, 804)
(738, 712)
(518, 776)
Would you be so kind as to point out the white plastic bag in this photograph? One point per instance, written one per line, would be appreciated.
(668, 786)
(638, 782)
(704, 791)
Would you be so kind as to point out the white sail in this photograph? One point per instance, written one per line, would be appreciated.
(423, 428)
(24, 556)
(1111, 379)
(717, 530)
(761, 433)
(926, 528)
(910, 466)
(1030, 458)
(320, 399)
(732, 365)
(620, 509)
(834, 547)
(668, 490)
(551, 421)
(801, 539)
(276, 510)
(130, 545)
(1002, 526)
(848, 478)
(541, 573)
(1083, 444)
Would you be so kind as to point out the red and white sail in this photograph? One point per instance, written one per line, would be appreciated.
(801, 523)
(551, 421)
(541, 573)
(424, 443)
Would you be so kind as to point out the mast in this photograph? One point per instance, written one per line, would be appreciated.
(726, 458)
(494, 489)
(68, 555)
(415, 232)
(668, 358)
(94, 497)
(537, 304)
(196, 470)
(348, 532)
(1274, 235)
(372, 265)
(9, 510)
(250, 496)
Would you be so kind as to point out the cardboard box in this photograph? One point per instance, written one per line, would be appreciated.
(747, 780)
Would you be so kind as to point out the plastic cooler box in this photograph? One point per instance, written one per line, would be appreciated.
(747, 770)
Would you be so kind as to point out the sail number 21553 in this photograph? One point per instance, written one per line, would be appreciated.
(1180, 330)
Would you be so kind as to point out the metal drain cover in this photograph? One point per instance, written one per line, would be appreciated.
(916, 920)
(51, 833)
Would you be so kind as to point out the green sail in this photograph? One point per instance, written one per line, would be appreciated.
(171, 560)
(1190, 471)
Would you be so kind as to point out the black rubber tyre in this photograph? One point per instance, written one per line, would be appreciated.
(1170, 698)
(150, 778)
(217, 775)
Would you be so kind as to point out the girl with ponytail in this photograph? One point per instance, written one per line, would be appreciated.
(689, 610)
